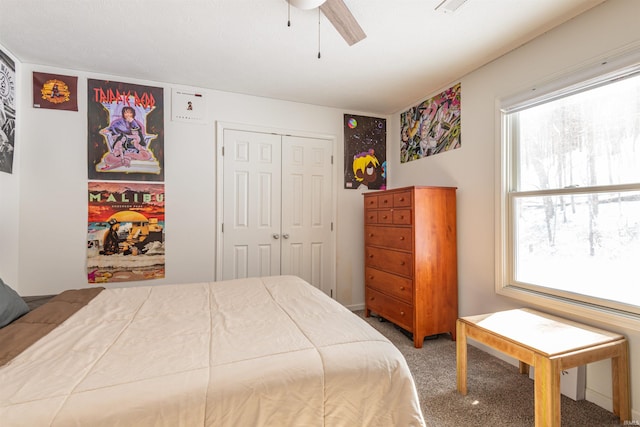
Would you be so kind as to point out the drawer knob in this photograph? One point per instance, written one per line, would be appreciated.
(402, 262)
(370, 216)
(401, 237)
(402, 199)
(385, 217)
(402, 313)
(402, 288)
(370, 255)
(385, 201)
(370, 277)
(370, 234)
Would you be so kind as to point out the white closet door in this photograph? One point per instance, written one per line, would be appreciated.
(277, 208)
(307, 237)
(251, 218)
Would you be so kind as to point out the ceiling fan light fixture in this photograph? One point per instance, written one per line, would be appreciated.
(449, 6)
(306, 4)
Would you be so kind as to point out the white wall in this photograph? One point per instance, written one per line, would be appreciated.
(473, 168)
(52, 202)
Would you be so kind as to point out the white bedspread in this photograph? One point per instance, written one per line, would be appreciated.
(271, 351)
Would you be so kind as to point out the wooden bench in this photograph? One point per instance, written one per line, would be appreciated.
(550, 344)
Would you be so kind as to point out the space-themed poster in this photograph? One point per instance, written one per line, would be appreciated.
(55, 91)
(125, 232)
(126, 131)
(365, 152)
(7, 112)
(431, 127)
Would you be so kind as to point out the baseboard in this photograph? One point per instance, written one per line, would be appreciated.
(601, 400)
(355, 307)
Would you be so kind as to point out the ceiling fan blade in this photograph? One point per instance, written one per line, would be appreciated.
(341, 17)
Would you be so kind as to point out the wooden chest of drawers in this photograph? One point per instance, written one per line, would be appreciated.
(411, 276)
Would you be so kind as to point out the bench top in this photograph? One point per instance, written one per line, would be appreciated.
(541, 332)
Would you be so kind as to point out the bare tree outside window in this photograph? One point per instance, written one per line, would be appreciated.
(575, 197)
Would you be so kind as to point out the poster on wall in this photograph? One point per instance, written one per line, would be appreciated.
(55, 91)
(126, 131)
(190, 107)
(365, 152)
(431, 127)
(125, 238)
(7, 111)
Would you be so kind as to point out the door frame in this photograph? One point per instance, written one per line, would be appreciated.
(221, 126)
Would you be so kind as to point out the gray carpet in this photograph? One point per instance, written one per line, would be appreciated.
(498, 395)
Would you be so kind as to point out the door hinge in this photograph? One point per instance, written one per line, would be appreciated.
(332, 159)
(332, 226)
(223, 150)
(331, 293)
(222, 229)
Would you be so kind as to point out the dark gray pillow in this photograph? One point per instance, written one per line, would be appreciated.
(11, 305)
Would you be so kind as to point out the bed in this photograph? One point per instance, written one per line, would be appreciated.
(270, 351)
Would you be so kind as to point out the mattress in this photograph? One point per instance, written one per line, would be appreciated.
(270, 351)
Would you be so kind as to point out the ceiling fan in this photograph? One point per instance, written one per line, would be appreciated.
(338, 14)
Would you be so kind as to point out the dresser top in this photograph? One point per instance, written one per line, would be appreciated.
(413, 187)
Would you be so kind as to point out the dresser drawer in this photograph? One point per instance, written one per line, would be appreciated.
(390, 237)
(390, 284)
(385, 216)
(385, 200)
(370, 216)
(402, 199)
(391, 309)
(370, 201)
(402, 216)
(388, 260)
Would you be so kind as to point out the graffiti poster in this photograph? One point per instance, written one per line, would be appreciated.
(126, 131)
(7, 112)
(365, 152)
(431, 127)
(125, 239)
(55, 91)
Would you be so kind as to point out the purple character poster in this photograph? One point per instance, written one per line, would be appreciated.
(126, 131)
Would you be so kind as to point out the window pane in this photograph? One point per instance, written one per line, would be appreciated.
(587, 139)
(586, 244)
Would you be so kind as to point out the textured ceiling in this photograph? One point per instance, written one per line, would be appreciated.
(245, 46)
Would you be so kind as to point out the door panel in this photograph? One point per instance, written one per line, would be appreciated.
(251, 194)
(307, 210)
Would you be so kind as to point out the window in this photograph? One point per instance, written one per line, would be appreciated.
(570, 192)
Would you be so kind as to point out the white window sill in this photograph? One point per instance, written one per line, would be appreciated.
(597, 316)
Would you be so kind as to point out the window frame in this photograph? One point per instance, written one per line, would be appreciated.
(584, 77)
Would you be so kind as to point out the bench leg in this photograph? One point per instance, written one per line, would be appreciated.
(461, 357)
(547, 392)
(620, 377)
